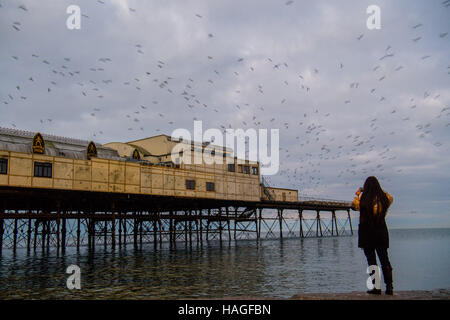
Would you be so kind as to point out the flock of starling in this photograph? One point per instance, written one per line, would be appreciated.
(312, 153)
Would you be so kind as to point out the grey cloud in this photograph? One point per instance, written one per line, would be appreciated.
(291, 66)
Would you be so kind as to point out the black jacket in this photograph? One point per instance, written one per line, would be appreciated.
(371, 234)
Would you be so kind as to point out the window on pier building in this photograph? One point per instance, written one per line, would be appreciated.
(190, 184)
(247, 169)
(240, 168)
(210, 186)
(3, 166)
(255, 171)
(231, 167)
(43, 169)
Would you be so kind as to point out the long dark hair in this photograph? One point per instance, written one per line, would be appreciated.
(373, 194)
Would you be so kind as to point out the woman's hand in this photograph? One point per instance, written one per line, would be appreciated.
(358, 192)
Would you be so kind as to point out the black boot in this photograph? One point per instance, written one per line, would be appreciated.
(387, 275)
(374, 291)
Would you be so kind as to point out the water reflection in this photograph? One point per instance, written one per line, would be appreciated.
(243, 268)
(272, 268)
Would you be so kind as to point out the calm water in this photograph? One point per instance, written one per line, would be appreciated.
(273, 268)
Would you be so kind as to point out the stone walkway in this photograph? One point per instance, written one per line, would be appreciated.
(437, 294)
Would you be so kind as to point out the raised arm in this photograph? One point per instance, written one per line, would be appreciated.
(390, 198)
(355, 203)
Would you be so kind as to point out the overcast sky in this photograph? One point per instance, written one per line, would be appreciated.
(349, 102)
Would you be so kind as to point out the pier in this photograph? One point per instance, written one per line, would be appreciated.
(58, 192)
(40, 219)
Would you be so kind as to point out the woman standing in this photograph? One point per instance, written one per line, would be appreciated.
(373, 236)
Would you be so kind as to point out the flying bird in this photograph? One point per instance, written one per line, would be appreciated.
(387, 56)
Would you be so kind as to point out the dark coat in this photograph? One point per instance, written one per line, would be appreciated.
(373, 235)
(370, 233)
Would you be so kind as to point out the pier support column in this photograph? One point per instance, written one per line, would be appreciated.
(300, 216)
(207, 224)
(175, 229)
(260, 220)
(155, 231)
(256, 223)
(228, 222)
(196, 225)
(220, 224)
(174, 232)
(113, 226)
(135, 231)
(1, 231)
(140, 230)
(78, 232)
(335, 223)
(92, 233)
(36, 228)
(29, 236)
(48, 232)
(185, 228)
(124, 221)
(63, 235)
(318, 224)
(235, 222)
(160, 228)
(280, 218)
(332, 222)
(201, 226)
(15, 235)
(350, 220)
(105, 233)
(93, 227)
(88, 222)
(43, 233)
(190, 227)
(170, 227)
(120, 229)
(58, 215)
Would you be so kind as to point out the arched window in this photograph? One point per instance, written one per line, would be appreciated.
(136, 155)
(91, 150)
(38, 144)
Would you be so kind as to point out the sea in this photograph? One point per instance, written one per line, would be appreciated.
(277, 268)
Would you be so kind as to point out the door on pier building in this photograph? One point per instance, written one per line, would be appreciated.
(284, 196)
